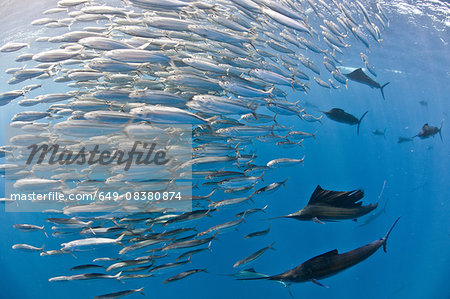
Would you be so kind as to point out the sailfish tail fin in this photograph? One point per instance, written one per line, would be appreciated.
(382, 90)
(388, 233)
(359, 123)
(440, 130)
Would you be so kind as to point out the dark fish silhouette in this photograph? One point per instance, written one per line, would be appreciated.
(327, 205)
(380, 133)
(429, 131)
(358, 75)
(329, 263)
(339, 115)
(121, 294)
(423, 103)
(404, 139)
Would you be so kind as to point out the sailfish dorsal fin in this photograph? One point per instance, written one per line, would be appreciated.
(358, 72)
(316, 196)
(348, 199)
(329, 253)
(321, 256)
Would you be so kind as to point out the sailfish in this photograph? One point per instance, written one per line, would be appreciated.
(327, 264)
(326, 205)
(339, 115)
(428, 131)
(358, 75)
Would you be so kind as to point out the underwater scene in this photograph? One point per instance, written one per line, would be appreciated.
(224, 149)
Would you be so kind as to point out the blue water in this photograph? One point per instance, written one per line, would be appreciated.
(414, 57)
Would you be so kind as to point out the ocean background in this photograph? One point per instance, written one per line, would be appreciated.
(414, 57)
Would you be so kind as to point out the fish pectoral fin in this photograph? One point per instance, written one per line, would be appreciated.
(315, 219)
(315, 281)
(288, 287)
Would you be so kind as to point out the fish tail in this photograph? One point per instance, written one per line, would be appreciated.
(302, 160)
(271, 246)
(382, 90)
(251, 42)
(314, 135)
(43, 230)
(440, 130)
(261, 176)
(211, 193)
(140, 291)
(117, 276)
(209, 246)
(69, 252)
(275, 119)
(243, 216)
(119, 239)
(359, 122)
(388, 233)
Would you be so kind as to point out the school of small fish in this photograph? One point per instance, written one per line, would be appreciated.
(134, 71)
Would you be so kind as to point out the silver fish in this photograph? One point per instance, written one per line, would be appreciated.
(253, 256)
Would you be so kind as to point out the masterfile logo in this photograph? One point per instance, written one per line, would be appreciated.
(138, 164)
(141, 153)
